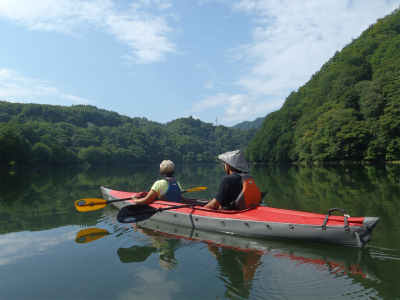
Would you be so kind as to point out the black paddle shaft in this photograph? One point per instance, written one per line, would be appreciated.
(141, 212)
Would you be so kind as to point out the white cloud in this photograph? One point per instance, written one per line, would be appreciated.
(159, 4)
(151, 284)
(19, 245)
(238, 104)
(293, 39)
(211, 102)
(144, 33)
(209, 85)
(236, 107)
(208, 75)
(16, 88)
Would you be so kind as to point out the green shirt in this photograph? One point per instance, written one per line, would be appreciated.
(160, 187)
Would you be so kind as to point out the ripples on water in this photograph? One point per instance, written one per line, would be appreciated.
(250, 268)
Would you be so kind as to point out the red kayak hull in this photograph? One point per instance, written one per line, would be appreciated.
(262, 221)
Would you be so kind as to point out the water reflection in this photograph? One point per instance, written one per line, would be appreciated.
(164, 246)
(242, 261)
(39, 225)
(236, 267)
(90, 234)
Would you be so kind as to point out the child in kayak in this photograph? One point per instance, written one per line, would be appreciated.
(167, 188)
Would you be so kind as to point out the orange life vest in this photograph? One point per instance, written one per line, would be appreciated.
(250, 194)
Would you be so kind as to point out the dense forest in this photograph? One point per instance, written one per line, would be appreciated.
(36, 134)
(348, 110)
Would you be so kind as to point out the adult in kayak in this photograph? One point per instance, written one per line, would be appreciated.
(167, 188)
(237, 190)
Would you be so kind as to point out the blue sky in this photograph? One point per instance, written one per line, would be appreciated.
(217, 60)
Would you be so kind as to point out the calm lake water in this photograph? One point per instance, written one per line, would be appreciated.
(44, 255)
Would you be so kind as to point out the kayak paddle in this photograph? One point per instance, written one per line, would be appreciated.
(90, 204)
(141, 212)
(89, 235)
(201, 188)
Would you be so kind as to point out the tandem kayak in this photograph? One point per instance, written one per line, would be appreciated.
(258, 221)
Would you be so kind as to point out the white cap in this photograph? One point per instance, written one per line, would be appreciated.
(235, 159)
(167, 166)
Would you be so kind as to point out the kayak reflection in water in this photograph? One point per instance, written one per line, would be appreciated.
(165, 246)
(167, 188)
(236, 266)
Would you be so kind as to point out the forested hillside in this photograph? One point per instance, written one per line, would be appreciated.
(349, 109)
(35, 134)
(250, 124)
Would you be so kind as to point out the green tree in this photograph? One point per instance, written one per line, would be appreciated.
(14, 147)
(42, 154)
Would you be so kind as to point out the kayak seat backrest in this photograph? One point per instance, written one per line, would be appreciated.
(250, 195)
(173, 193)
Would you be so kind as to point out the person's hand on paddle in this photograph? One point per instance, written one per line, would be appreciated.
(144, 197)
(140, 195)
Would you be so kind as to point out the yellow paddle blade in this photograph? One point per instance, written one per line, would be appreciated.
(89, 235)
(201, 188)
(90, 204)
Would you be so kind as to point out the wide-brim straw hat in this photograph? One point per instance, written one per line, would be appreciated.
(235, 159)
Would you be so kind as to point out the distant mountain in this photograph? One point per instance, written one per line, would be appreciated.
(348, 110)
(38, 134)
(250, 124)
